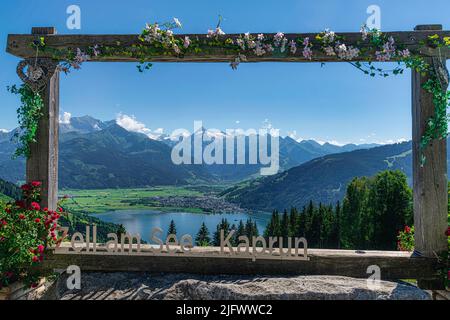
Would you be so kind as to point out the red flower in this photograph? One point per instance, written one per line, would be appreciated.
(25, 187)
(34, 285)
(45, 209)
(36, 184)
(41, 248)
(60, 210)
(447, 233)
(21, 217)
(35, 259)
(407, 229)
(35, 206)
(37, 220)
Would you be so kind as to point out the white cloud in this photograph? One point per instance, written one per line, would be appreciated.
(65, 118)
(4, 130)
(130, 123)
(337, 143)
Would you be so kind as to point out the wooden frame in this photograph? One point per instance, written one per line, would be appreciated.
(430, 181)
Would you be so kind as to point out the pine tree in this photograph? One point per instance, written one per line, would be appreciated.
(293, 217)
(223, 225)
(300, 226)
(240, 232)
(120, 231)
(337, 225)
(203, 239)
(251, 230)
(284, 228)
(273, 229)
(172, 228)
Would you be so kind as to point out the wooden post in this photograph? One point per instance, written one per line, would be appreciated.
(429, 180)
(42, 164)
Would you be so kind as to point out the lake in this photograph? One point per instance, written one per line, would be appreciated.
(143, 221)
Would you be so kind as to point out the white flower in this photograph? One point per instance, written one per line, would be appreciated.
(177, 23)
(329, 35)
(278, 38)
(169, 33)
(347, 53)
(187, 42)
(219, 31)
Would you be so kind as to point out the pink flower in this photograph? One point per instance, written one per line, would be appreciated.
(40, 248)
(293, 47)
(404, 53)
(307, 53)
(37, 220)
(35, 206)
(35, 259)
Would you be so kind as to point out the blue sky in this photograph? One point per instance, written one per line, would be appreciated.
(333, 103)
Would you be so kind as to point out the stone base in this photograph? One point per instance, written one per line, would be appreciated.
(144, 286)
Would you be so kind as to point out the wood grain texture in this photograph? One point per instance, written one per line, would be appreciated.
(394, 265)
(19, 45)
(42, 165)
(430, 180)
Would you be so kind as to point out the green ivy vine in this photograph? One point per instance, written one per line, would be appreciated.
(28, 114)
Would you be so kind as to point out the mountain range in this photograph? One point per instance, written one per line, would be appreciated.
(321, 180)
(102, 154)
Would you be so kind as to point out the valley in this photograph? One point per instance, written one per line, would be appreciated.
(192, 199)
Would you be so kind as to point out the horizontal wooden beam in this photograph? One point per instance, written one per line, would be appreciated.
(393, 265)
(20, 46)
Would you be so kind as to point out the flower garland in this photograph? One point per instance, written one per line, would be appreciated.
(160, 39)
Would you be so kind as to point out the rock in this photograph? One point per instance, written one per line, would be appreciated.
(143, 286)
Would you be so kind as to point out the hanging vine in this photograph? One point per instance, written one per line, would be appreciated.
(160, 40)
(28, 115)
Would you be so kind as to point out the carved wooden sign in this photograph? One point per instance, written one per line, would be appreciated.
(128, 244)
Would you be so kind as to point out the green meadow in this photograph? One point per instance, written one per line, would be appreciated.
(104, 200)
